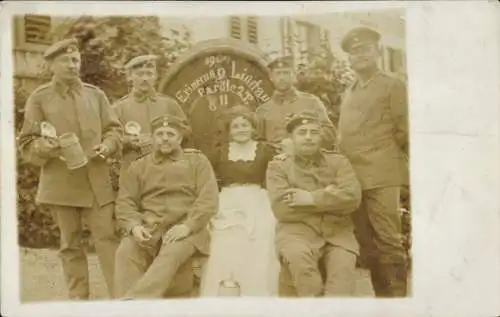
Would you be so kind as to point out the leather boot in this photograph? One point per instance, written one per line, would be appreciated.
(395, 275)
(379, 280)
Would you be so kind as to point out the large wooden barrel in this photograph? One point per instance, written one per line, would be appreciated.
(211, 77)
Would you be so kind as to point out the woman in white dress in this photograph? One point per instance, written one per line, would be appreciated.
(242, 247)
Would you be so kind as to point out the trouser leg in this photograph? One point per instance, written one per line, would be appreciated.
(364, 233)
(73, 257)
(286, 284)
(160, 275)
(102, 227)
(131, 262)
(340, 267)
(302, 263)
(389, 269)
(183, 282)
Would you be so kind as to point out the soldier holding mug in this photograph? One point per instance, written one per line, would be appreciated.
(80, 113)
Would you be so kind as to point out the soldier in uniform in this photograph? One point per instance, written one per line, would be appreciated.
(287, 100)
(141, 106)
(165, 201)
(313, 193)
(71, 106)
(373, 132)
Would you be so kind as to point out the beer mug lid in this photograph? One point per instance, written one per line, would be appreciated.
(132, 127)
(230, 283)
(48, 130)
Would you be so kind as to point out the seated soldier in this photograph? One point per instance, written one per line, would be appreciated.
(312, 195)
(165, 201)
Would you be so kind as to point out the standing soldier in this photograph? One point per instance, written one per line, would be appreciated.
(141, 106)
(374, 136)
(285, 102)
(70, 106)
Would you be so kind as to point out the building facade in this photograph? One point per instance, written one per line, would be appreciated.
(296, 35)
(31, 37)
(299, 35)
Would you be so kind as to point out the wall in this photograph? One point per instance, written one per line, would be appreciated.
(390, 24)
(28, 57)
(210, 28)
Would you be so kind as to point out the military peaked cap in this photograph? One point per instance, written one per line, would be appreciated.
(300, 118)
(281, 62)
(359, 35)
(170, 121)
(143, 61)
(65, 46)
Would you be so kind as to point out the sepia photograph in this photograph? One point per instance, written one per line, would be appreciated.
(241, 155)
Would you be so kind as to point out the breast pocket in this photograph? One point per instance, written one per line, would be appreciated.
(182, 174)
(377, 111)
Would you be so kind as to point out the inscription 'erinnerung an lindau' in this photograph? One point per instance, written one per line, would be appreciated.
(247, 87)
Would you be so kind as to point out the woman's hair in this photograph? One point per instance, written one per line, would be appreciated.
(243, 112)
(240, 111)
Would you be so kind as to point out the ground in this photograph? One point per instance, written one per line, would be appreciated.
(42, 277)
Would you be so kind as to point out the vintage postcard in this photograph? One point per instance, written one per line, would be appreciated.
(238, 159)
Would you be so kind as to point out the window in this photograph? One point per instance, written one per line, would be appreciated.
(308, 38)
(235, 27)
(382, 57)
(325, 40)
(252, 30)
(286, 36)
(395, 60)
(37, 29)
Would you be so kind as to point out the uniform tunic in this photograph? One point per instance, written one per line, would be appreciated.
(316, 238)
(182, 189)
(272, 116)
(84, 110)
(329, 220)
(143, 108)
(373, 131)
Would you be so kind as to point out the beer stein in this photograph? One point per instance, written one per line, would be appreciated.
(72, 151)
(229, 288)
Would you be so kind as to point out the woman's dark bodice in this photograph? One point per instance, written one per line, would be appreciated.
(242, 172)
